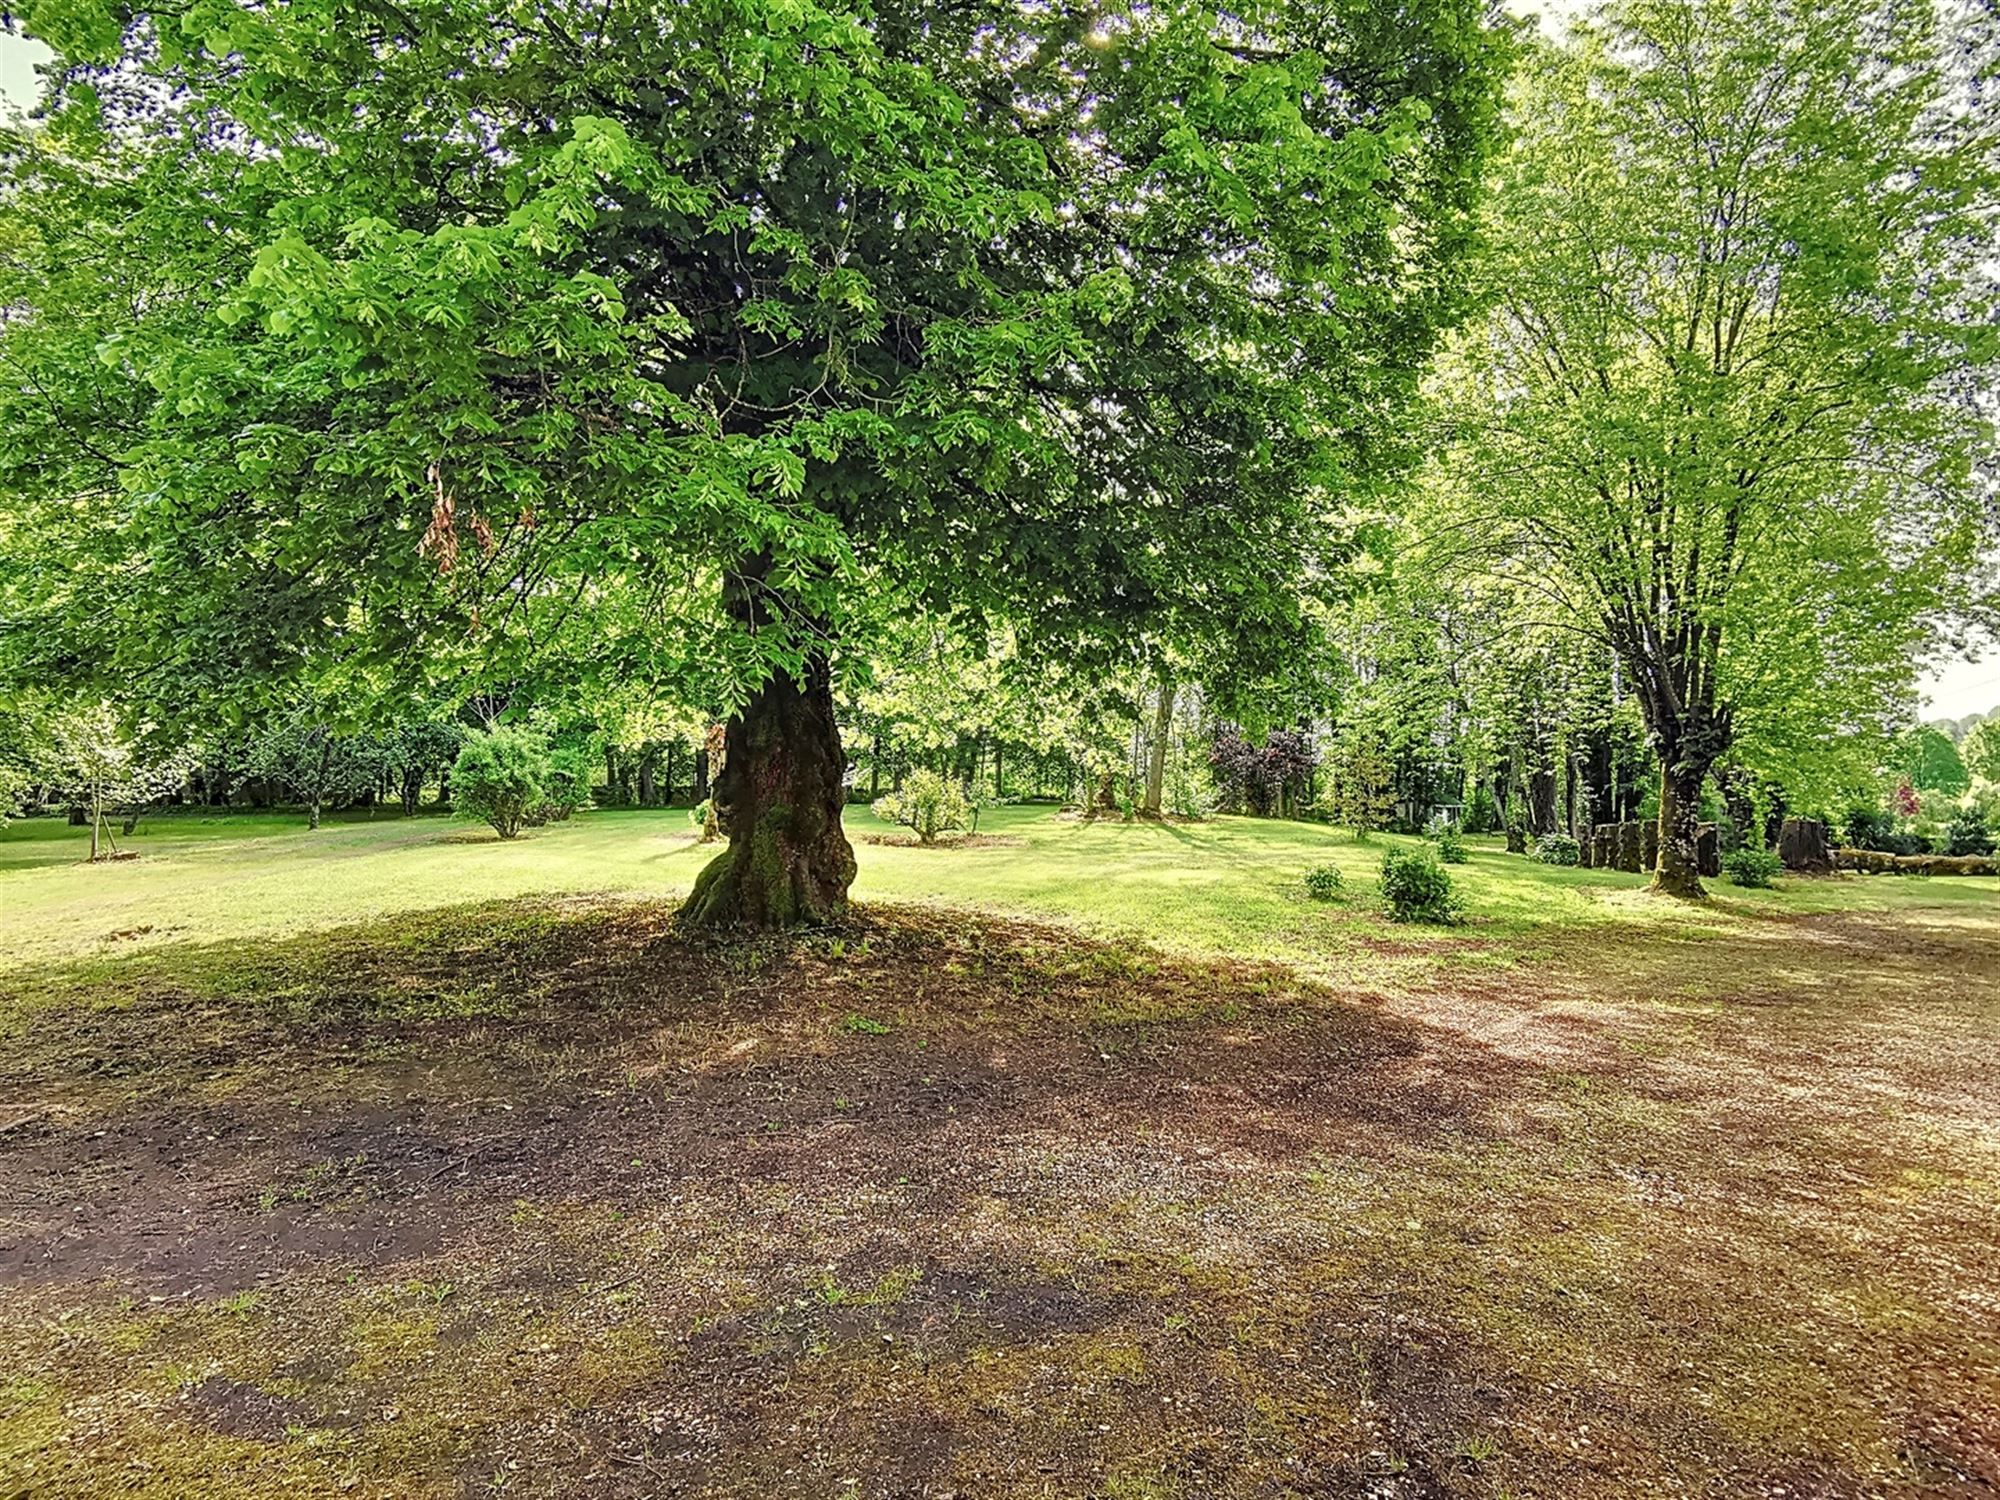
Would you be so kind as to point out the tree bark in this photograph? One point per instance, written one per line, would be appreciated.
(1678, 870)
(1541, 801)
(779, 796)
(1156, 753)
(1802, 845)
(1107, 792)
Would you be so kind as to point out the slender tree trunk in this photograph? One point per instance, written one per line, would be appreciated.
(1156, 753)
(1774, 816)
(712, 826)
(779, 796)
(319, 782)
(96, 819)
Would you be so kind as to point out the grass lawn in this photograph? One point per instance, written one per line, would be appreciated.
(1093, 1161)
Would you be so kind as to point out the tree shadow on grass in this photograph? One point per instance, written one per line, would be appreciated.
(909, 1037)
(933, 1202)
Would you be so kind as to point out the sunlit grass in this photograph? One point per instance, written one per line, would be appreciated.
(1229, 886)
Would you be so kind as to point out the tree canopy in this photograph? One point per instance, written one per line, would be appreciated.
(377, 338)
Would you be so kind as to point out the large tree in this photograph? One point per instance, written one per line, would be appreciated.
(712, 330)
(1725, 413)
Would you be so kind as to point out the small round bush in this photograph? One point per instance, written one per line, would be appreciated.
(1557, 849)
(1752, 867)
(929, 804)
(566, 787)
(1323, 882)
(1450, 847)
(501, 776)
(1416, 887)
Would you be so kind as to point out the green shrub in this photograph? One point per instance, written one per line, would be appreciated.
(1967, 833)
(1752, 867)
(565, 787)
(1323, 882)
(929, 804)
(1449, 845)
(1557, 849)
(1416, 887)
(501, 776)
(1189, 793)
(1868, 828)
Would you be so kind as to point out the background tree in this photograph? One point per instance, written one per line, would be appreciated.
(1725, 409)
(1982, 750)
(1931, 762)
(417, 754)
(316, 766)
(107, 768)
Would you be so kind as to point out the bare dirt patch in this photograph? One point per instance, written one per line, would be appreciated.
(541, 1199)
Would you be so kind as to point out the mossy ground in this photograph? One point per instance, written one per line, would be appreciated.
(532, 1196)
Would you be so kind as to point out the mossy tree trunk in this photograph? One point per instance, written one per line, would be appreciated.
(779, 797)
(778, 788)
(1677, 871)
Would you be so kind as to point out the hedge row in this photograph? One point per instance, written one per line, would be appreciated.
(1874, 862)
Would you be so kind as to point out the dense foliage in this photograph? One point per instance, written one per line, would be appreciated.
(1556, 849)
(502, 776)
(1723, 416)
